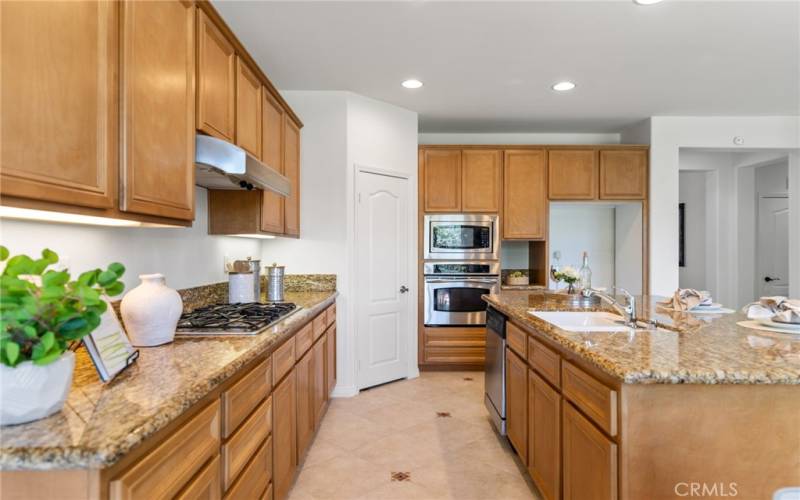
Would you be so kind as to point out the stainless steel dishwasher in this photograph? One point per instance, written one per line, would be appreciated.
(495, 369)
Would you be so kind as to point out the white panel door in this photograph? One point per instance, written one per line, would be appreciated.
(773, 246)
(382, 243)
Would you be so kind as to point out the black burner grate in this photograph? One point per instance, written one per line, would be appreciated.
(233, 317)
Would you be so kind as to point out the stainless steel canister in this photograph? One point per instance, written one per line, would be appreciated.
(275, 275)
(255, 268)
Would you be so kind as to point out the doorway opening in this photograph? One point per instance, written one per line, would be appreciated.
(736, 229)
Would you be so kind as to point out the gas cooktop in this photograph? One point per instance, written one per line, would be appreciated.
(234, 319)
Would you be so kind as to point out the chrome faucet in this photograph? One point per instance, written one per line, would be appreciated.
(628, 310)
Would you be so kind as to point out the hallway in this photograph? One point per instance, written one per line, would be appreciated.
(426, 438)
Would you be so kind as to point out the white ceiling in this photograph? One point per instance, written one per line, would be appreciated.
(488, 66)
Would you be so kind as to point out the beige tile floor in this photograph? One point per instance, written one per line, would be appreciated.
(433, 428)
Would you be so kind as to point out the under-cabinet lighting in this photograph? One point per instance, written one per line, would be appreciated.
(254, 235)
(64, 218)
(563, 86)
(412, 84)
(646, 2)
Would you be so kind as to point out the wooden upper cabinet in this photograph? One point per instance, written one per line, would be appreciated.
(272, 154)
(623, 174)
(291, 169)
(517, 403)
(248, 109)
(589, 459)
(216, 80)
(481, 180)
(572, 174)
(442, 180)
(525, 195)
(59, 92)
(158, 102)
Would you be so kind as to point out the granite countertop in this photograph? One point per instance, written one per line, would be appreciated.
(695, 349)
(101, 423)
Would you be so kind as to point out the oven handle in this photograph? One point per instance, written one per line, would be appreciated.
(465, 280)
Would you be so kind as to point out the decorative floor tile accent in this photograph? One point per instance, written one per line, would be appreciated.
(443, 414)
(401, 476)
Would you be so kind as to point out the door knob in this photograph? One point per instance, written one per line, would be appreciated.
(403, 289)
(768, 279)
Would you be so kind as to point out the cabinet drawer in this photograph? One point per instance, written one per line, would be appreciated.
(320, 323)
(590, 396)
(238, 450)
(516, 339)
(256, 475)
(283, 360)
(545, 360)
(240, 400)
(205, 485)
(455, 355)
(168, 468)
(303, 340)
(455, 337)
(330, 315)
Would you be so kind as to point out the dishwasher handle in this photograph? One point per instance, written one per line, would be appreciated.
(495, 322)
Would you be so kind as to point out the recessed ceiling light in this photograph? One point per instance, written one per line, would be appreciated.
(646, 2)
(412, 84)
(563, 86)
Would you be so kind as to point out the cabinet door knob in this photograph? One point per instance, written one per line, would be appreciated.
(403, 289)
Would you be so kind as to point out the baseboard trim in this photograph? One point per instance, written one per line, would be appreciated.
(344, 391)
(451, 368)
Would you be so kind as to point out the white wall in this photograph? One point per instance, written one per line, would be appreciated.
(628, 247)
(693, 196)
(517, 138)
(579, 227)
(341, 131)
(668, 134)
(514, 254)
(188, 257)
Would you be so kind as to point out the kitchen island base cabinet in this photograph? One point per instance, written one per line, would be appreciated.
(284, 436)
(304, 373)
(590, 459)
(517, 403)
(544, 436)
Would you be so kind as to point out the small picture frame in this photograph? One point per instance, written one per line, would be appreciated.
(109, 347)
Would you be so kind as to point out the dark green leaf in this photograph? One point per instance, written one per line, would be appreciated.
(30, 331)
(115, 288)
(106, 278)
(75, 323)
(88, 278)
(117, 269)
(50, 256)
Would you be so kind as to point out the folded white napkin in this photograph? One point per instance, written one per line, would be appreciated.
(778, 309)
(685, 299)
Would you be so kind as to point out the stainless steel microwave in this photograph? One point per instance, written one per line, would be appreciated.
(461, 236)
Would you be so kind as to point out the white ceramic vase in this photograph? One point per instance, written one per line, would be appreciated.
(151, 312)
(29, 392)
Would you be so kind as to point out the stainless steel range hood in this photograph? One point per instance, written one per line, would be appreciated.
(222, 165)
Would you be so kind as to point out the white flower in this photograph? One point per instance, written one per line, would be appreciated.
(569, 272)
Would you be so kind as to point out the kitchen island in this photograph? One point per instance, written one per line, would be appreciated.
(222, 386)
(700, 406)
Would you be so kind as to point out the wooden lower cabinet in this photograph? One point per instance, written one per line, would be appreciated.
(305, 402)
(589, 459)
(284, 436)
(517, 403)
(206, 485)
(330, 359)
(319, 389)
(454, 347)
(544, 436)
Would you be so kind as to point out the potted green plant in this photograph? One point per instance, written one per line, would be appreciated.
(568, 275)
(42, 310)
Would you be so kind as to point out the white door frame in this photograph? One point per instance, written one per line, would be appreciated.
(412, 370)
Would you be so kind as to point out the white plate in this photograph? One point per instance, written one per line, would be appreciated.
(709, 306)
(794, 327)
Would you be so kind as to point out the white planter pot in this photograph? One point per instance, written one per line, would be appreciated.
(151, 312)
(29, 392)
(523, 280)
